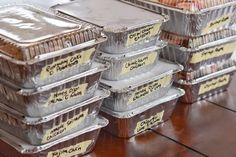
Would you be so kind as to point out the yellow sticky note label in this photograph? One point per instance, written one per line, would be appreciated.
(214, 84)
(213, 52)
(74, 150)
(143, 34)
(218, 23)
(149, 123)
(64, 127)
(149, 88)
(67, 94)
(139, 62)
(66, 63)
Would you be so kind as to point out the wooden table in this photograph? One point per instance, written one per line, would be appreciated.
(206, 128)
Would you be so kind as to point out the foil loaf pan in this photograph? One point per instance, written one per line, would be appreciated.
(53, 97)
(206, 86)
(123, 66)
(194, 18)
(193, 58)
(131, 29)
(40, 130)
(39, 48)
(138, 90)
(75, 144)
(127, 124)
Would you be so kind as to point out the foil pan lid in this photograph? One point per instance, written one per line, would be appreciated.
(113, 15)
(99, 95)
(96, 68)
(208, 77)
(173, 93)
(161, 69)
(21, 24)
(108, 57)
(25, 148)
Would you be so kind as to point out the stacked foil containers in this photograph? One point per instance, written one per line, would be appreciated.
(49, 95)
(201, 39)
(139, 82)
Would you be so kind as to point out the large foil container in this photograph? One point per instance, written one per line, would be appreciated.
(40, 130)
(207, 53)
(127, 124)
(48, 50)
(141, 89)
(206, 86)
(124, 66)
(75, 144)
(205, 70)
(193, 18)
(53, 97)
(131, 29)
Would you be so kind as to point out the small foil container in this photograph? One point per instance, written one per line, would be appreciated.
(193, 18)
(75, 144)
(206, 86)
(193, 58)
(40, 130)
(205, 70)
(141, 89)
(39, 48)
(53, 97)
(124, 66)
(132, 29)
(127, 124)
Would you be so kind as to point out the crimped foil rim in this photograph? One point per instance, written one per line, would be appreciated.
(129, 114)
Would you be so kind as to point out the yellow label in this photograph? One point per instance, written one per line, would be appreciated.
(214, 84)
(66, 63)
(74, 150)
(67, 94)
(142, 34)
(213, 52)
(139, 62)
(218, 23)
(65, 126)
(150, 88)
(149, 123)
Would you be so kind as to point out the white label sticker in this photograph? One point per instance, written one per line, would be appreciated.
(66, 63)
(74, 150)
(149, 123)
(64, 127)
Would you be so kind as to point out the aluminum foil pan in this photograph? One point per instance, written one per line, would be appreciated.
(127, 124)
(40, 130)
(128, 28)
(123, 66)
(205, 70)
(213, 15)
(206, 86)
(75, 144)
(193, 59)
(141, 89)
(53, 97)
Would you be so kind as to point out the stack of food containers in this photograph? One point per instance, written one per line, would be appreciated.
(200, 38)
(49, 96)
(140, 83)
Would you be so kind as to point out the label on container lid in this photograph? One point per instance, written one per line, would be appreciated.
(149, 123)
(66, 63)
(214, 84)
(64, 127)
(145, 90)
(142, 34)
(67, 94)
(213, 52)
(217, 23)
(70, 151)
(139, 62)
